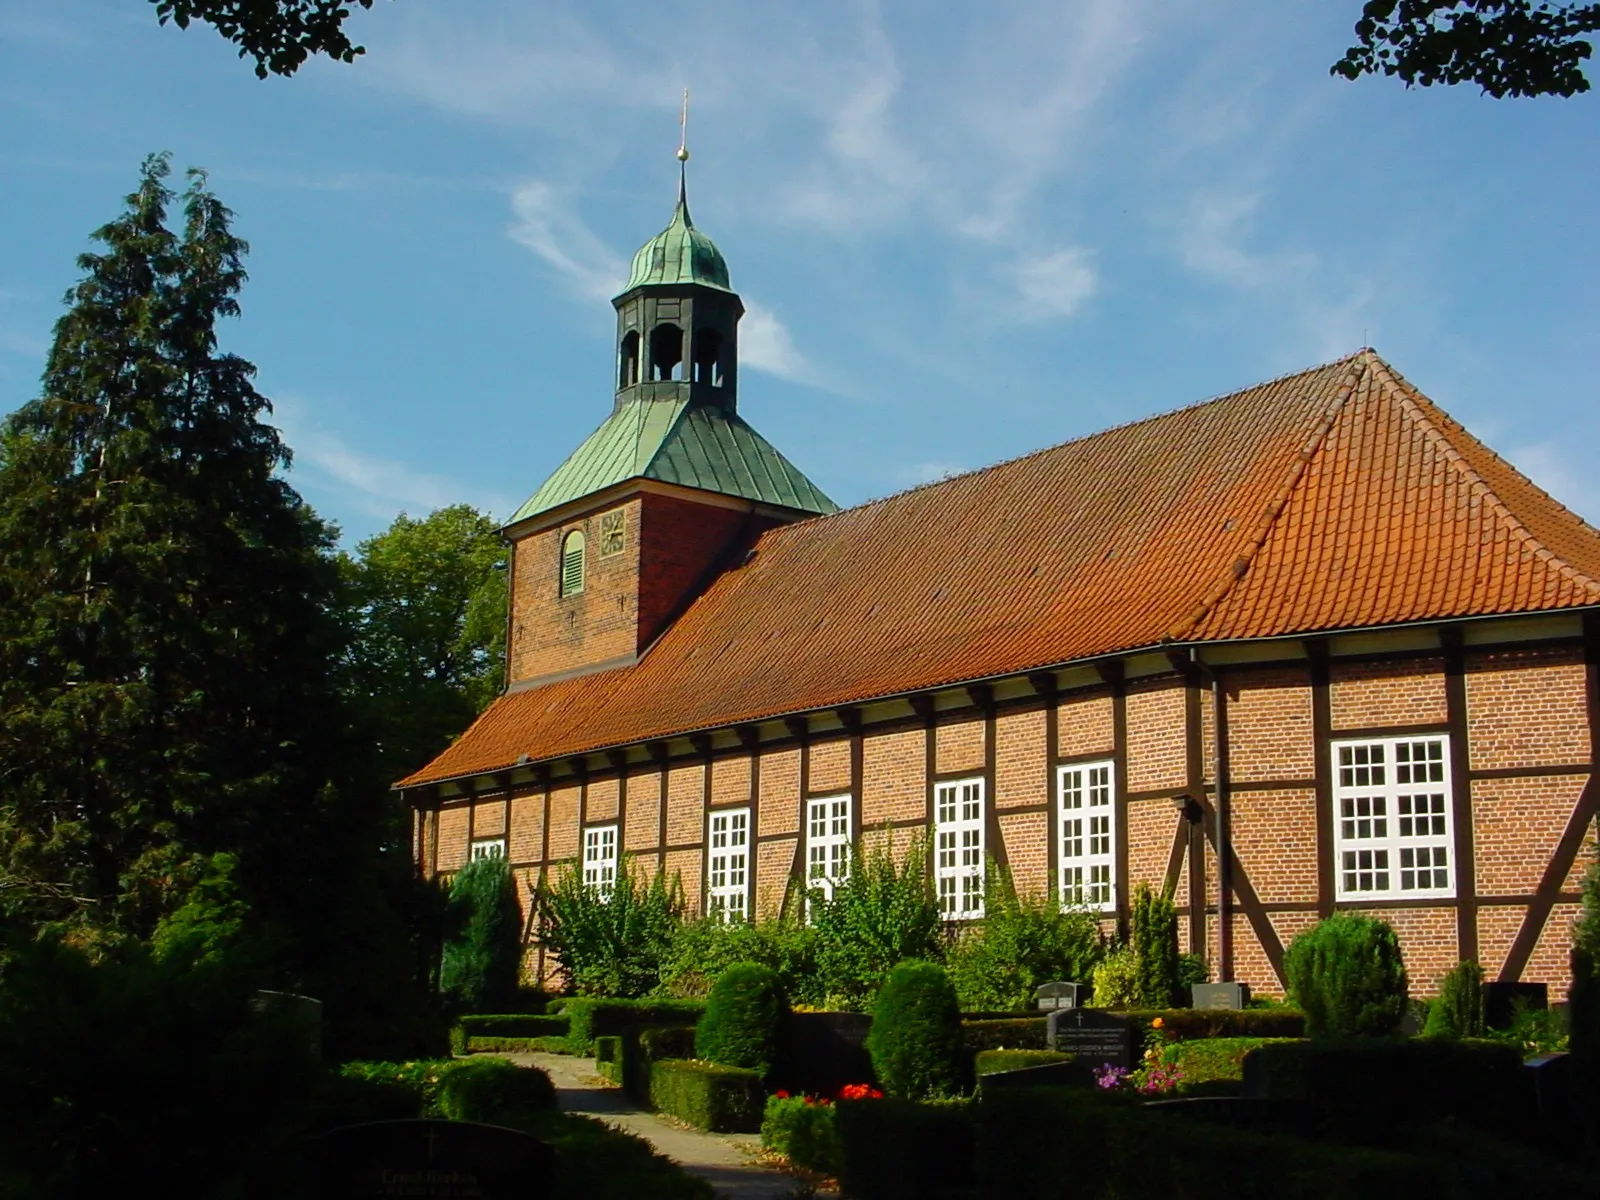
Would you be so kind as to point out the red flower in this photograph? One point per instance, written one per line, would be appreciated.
(781, 1095)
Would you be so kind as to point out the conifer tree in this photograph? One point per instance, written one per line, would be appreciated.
(165, 692)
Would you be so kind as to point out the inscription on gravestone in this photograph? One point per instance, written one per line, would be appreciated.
(1051, 996)
(1092, 1038)
(1219, 995)
(433, 1160)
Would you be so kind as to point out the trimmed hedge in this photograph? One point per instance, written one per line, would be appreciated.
(589, 1017)
(992, 1062)
(608, 1058)
(904, 1150)
(1030, 1033)
(743, 1021)
(1010, 1033)
(803, 1131)
(1206, 1062)
(494, 1091)
(708, 1096)
(915, 1039)
(1374, 1087)
(502, 1031)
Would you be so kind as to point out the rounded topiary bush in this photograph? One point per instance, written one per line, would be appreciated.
(1457, 1012)
(743, 1020)
(1348, 977)
(915, 1040)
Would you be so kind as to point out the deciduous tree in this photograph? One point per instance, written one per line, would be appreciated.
(279, 34)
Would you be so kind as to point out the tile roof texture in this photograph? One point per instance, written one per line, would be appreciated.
(1336, 498)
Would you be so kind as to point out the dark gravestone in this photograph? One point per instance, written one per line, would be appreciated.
(1093, 1038)
(1219, 995)
(432, 1160)
(1052, 996)
(1500, 1000)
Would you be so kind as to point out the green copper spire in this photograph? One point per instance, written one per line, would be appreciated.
(680, 253)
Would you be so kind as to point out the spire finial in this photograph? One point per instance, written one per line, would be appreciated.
(683, 129)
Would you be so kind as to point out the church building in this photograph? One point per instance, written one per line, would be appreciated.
(1305, 648)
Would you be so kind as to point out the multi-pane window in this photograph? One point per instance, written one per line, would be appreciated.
(827, 843)
(494, 847)
(1392, 818)
(958, 847)
(1086, 826)
(600, 859)
(728, 865)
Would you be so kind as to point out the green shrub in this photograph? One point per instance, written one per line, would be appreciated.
(1583, 1000)
(608, 1057)
(1116, 979)
(482, 961)
(1020, 944)
(901, 1150)
(915, 1040)
(1189, 1023)
(614, 945)
(743, 1021)
(478, 1032)
(494, 1091)
(803, 1131)
(1192, 969)
(1010, 1033)
(643, 1045)
(590, 1017)
(884, 913)
(1153, 929)
(708, 1096)
(701, 950)
(1212, 1060)
(992, 1062)
(1457, 1011)
(1372, 1088)
(1347, 976)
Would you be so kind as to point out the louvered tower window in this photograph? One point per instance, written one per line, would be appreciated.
(572, 563)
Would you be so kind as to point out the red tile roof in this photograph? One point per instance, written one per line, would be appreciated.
(1337, 498)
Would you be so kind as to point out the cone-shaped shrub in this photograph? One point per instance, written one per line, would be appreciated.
(482, 962)
(743, 1019)
(1458, 1010)
(915, 1040)
(1155, 949)
(1346, 974)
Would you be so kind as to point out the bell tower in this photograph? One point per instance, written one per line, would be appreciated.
(668, 493)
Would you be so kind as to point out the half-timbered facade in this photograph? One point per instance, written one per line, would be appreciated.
(1307, 647)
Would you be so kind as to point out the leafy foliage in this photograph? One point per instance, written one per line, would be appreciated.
(1457, 1012)
(279, 34)
(743, 1021)
(1116, 979)
(1506, 47)
(701, 950)
(1021, 944)
(1346, 974)
(885, 912)
(610, 945)
(494, 1090)
(425, 601)
(1583, 1001)
(1153, 926)
(483, 954)
(915, 1040)
(802, 1130)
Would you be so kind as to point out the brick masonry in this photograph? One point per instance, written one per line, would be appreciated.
(1526, 722)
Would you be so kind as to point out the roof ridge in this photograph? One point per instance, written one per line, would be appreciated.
(1412, 401)
(1053, 447)
(1275, 507)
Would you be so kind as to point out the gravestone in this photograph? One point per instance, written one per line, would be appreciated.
(1093, 1038)
(432, 1160)
(1219, 995)
(1052, 996)
(302, 1013)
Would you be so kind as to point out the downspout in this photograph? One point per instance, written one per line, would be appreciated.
(1222, 803)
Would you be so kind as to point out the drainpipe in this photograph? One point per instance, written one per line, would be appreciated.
(1223, 806)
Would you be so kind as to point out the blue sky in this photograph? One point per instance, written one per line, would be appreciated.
(963, 231)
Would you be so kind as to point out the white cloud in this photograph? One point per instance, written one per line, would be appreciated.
(381, 487)
(1055, 285)
(765, 344)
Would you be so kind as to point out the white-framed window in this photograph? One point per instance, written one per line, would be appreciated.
(600, 859)
(492, 847)
(1391, 818)
(728, 865)
(958, 847)
(827, 843)
(1086, 828)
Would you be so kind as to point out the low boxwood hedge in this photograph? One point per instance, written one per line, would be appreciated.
(1204, 1063)
(608, 1058)
(1374, 1088)
(494, 1091)
(708, 1096)
(589, 1017)
(1189, 1023)
(909, 1150)
(1009, 1033)
(803, 1131)
(992, 1062)
(478, 1032)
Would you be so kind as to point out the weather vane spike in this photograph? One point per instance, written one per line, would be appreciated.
(683, 129)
